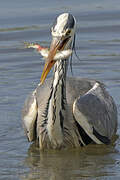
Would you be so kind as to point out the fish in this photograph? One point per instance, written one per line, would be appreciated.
(44, 51)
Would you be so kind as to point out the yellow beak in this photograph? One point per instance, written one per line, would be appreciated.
(57, 43)
(50, 62)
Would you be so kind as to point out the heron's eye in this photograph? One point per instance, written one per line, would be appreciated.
(68, 32)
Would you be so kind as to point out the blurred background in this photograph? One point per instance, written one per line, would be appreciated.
(98, 46)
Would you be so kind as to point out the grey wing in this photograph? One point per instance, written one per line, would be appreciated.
(29, 116)
(96, 113)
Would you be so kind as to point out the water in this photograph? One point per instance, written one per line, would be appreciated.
(98, 42)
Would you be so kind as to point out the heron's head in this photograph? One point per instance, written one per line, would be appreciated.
(62, 31)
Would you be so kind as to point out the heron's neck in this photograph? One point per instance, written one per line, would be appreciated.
(56, 109)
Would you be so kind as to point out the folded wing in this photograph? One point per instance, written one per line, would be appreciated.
(95, 112)
(29, 116)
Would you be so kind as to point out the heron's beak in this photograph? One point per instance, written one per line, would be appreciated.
(57, 44)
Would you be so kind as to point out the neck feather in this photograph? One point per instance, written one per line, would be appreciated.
(56, 109)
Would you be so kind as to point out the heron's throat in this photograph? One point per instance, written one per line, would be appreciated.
(56, 109)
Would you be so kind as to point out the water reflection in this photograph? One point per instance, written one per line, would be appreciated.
(85, 163)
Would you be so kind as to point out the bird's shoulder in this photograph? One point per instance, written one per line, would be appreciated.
(98, 110)
(77, 86)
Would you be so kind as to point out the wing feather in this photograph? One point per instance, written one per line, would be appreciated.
(29, 116)
(96, 113)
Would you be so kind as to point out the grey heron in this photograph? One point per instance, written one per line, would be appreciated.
(68, 111)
